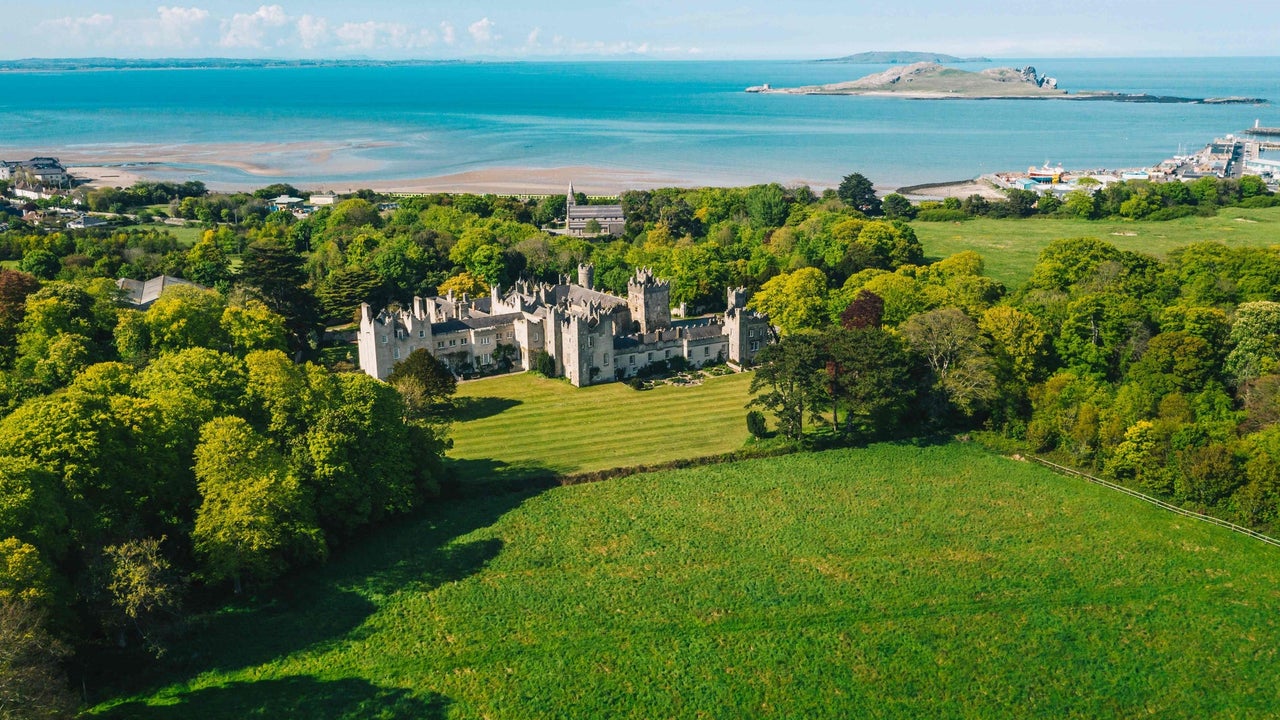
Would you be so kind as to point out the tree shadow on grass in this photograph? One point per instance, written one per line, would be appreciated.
(475, 408)
(484, 477)
(320, 608)
(290, 697)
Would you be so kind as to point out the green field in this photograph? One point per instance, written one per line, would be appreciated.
(534, 425)
(187, 236)
(1010, 247)
(892, 581)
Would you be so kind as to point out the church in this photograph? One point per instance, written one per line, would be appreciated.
(608, 218)
(592, 336)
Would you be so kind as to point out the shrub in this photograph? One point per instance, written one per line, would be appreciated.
(1259, 201)
(756, 424)
(544, 364)
(942, 215)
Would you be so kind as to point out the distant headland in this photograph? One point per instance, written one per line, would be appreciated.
(933, 81)
(899, 57)
(36, 65)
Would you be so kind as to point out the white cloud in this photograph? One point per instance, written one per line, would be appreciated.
(312, 31)
(447, 33)
(170, 28)
(176, 27)
(381, 36)
(79, 25)
(250, 30)
(481, 31)
(534, 35)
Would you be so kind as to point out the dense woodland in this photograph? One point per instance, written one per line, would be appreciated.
(152, 461)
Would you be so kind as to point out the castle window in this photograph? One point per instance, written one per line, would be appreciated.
(706, 351)
(650, 358)
(751, 333)
(486, 340)
(633, 360)
(755, 345)
(422, 333)
(384, 339)
(536, 337)
(439, 343)
(452, 343)
(511, 334)
(591, 342)
(606, 358)
(463, 341)
(396, 353)
(666, 354)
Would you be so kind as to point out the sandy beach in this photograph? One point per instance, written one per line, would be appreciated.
(348, 166)
(959, 189)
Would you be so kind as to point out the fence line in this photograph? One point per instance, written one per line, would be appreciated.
(1158, 502)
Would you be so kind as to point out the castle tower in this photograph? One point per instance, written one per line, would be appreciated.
(737, 298)
(649, 300)
(587, 276)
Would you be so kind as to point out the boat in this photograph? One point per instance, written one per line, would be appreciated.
(1046, 174)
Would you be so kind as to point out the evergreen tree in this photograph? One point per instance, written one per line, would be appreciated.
(858, 193)
(273, 271)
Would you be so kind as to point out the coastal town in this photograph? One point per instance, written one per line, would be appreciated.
(43, 190)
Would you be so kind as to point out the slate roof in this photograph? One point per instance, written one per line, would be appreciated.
(704, 332)
(587, 212)
(582, 296)
(481, 323)
(448, 326)
(144, 293)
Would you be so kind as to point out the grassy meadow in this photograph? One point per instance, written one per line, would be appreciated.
(1010, 247)
(523, 424)
(187, 236)
(888, 582)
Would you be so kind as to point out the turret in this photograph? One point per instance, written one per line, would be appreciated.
(586, 276)
(649, 300)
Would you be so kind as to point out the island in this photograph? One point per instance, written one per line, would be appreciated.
(933, 81)
(899, 57)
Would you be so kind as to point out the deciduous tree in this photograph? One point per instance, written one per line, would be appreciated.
(255, 516)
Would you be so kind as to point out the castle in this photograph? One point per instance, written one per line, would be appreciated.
(593, 337)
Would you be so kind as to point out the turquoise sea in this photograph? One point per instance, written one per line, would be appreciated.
(688, 120)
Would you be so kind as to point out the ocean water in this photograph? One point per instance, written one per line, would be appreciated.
(686, 120)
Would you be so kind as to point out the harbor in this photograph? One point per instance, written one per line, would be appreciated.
(1254, 151)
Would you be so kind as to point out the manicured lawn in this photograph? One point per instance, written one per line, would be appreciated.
(892, 581)
(187, 236)
(529, 423)
(1010, 247)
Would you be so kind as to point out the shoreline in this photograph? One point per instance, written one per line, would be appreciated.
(334, 166)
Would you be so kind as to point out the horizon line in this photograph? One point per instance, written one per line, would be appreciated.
(586, 56)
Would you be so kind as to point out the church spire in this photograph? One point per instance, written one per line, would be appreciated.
(569, 199)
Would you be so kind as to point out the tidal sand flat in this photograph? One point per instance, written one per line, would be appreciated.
(687, 122)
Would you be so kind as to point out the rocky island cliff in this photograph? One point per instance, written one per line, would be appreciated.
(932, 81)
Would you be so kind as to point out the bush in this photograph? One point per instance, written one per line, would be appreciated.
(756, 424)
(1172, 213)
(657, 368)
(544, 364)
(942, 215)
(1260, 201)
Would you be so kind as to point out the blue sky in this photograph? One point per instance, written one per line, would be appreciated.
(666, 29)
